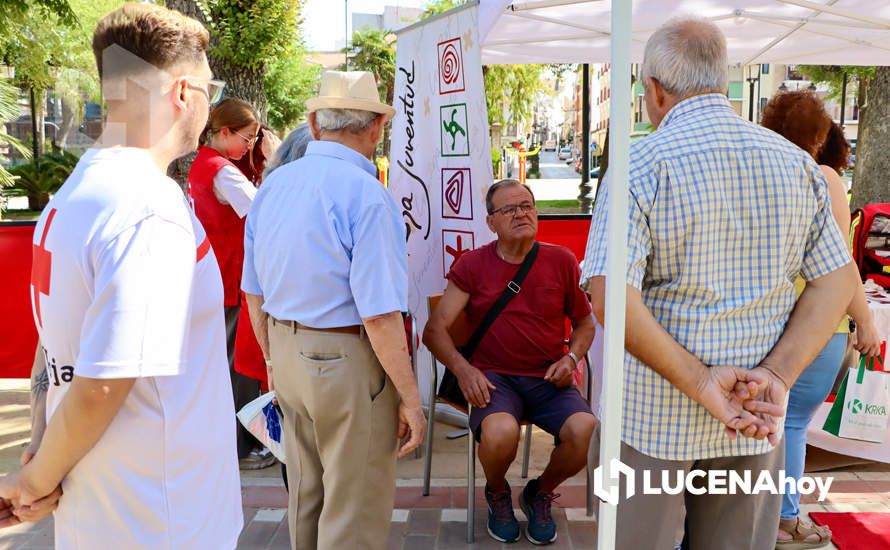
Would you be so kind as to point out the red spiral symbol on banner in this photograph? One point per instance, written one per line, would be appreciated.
(450, 64)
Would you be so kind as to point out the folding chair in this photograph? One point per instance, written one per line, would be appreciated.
(460, 333)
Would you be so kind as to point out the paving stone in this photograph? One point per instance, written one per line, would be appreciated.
(419, 542)
(424, 522)
(583, 535)
(453, 535)
(579, 514)
(281, 539)
(397, 533)
(270, 514)
(412, 497)
(257, 535)
(400, 515)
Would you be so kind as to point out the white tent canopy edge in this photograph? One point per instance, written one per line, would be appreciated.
(833, 32)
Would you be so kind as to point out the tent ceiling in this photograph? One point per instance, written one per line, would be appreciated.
(820, 32)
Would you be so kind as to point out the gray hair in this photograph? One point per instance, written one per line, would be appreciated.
(292, 148)
(687, 56)
(489, 196)
(354, 120)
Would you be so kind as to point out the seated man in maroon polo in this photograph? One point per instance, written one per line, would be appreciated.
(519, 370)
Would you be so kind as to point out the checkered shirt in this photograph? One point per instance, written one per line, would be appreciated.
(723, 216)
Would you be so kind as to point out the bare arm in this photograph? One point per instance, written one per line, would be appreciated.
(85, 413)
(387, 335)
(583, 331)
(867, 339)
(39, 387)
(259, 321)
(474, 385)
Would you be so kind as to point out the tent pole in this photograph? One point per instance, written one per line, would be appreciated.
(616, 262)
(584, 196)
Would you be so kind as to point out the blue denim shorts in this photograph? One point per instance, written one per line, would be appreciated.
(530, 398)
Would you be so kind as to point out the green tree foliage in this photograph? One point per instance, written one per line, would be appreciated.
(290, 81)
(13, 11)
(439, 6)
(9, 109)
(252, 33)
(246, 37)
(833, 75)
(510, 92)
(39, 182)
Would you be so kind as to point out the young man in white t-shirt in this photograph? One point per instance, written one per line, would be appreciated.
(127, 298)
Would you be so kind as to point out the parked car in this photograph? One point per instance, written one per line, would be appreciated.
(564, 154)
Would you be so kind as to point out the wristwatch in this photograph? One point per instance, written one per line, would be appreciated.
(574, 357)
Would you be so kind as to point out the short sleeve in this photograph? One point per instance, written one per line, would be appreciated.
(378, 275)
(461, 274)
(249, 280)
(639, 243)
(235, 188)
(826, 250)
(138, 322)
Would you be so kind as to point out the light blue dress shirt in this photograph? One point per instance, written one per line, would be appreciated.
(324, 242)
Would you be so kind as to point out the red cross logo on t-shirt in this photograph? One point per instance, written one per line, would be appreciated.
(41, 267)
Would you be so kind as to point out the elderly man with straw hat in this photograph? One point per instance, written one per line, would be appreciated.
(325, 272)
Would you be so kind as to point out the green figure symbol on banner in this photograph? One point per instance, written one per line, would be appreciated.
(455, 124)
(453, 128)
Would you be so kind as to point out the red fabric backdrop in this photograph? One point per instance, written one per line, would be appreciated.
(18, 336)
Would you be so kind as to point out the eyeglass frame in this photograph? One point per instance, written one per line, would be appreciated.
(525, 207)
(212, 99)
(250, 141)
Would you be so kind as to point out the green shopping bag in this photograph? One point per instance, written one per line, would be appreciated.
(862, 405)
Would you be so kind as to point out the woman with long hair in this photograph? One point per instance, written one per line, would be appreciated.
(801, 118)
(221, 195)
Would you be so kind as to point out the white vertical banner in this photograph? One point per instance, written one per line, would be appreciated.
(440, 156)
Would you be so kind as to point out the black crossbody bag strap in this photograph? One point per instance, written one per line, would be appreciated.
(513, 288)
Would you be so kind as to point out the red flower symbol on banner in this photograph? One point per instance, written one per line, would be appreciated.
(451, 70)
(450, 64)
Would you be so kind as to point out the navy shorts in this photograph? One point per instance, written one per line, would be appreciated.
(530, 398)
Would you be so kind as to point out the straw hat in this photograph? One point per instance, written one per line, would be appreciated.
(349, 90)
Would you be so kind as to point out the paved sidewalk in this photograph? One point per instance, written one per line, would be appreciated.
(436, 521)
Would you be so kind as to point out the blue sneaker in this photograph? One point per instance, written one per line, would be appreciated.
(502, 524)
(536, 507)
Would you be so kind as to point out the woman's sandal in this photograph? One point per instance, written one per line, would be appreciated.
(802, 535)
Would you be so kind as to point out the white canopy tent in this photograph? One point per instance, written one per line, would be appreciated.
(823, 32)
(836, 32)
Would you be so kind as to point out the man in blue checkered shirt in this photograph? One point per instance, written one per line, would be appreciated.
(723, 216)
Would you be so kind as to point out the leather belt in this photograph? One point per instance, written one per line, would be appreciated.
(353, 329)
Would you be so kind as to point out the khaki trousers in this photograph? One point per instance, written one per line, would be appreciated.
(340, 436)
(725, 522)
